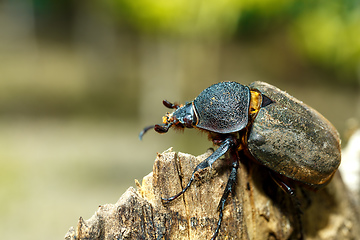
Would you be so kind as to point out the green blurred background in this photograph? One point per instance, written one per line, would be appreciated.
(80, 79)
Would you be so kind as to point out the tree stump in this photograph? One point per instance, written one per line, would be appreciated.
(257, 209)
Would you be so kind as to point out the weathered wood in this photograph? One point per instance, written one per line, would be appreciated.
(257, 209)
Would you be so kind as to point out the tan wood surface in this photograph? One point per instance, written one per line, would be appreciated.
(257, 209)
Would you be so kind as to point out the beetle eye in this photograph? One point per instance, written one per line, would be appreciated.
(188, 121)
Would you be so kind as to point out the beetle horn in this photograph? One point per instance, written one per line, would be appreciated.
(160, 128)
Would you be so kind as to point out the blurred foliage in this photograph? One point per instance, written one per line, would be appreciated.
(88, 57)
(180, 17)
(326, 32)
(329, 34)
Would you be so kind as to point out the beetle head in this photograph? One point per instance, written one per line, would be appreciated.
(183, 117)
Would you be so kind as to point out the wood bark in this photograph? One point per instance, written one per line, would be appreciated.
(257, 209)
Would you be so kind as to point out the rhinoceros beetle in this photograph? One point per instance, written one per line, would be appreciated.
(292, 140)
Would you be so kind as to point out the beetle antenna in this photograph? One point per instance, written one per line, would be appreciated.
(170, 105)
(145, 130)
(160, 128)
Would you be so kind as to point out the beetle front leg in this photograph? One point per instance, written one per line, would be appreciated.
(223, 148)
(228, 189)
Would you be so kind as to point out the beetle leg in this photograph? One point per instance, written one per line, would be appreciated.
(294, 199)
(223, 148)
(229, 188)
(307, 198)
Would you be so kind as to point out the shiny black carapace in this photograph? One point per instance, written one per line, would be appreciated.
(295, 142)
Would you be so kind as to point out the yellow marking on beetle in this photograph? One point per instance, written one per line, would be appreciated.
(164, 119)
(243, 142)
(255, 102)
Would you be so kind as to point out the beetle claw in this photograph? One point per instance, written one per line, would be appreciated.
(167, 200)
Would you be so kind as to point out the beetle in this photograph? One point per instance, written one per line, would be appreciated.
(292, 140)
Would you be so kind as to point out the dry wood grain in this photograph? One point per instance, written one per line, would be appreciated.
(257, 209)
